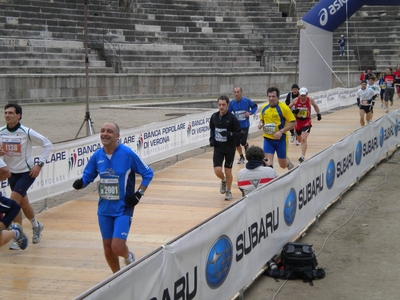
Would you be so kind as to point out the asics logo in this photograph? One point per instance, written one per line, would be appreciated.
(323, 17)
(333, 9)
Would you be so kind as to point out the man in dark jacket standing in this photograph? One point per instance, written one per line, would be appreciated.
(342, 45)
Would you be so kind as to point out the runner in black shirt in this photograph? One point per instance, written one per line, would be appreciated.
(224, 130)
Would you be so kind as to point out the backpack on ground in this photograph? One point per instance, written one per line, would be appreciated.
(298, 261)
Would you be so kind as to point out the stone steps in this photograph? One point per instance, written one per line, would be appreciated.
(138, 51)
(191, 70)
(193, 64)
(184, 59)
(53, 70)
(21, 45)
(38, 5)
(161, 34)
(41, 55)
(25, 62)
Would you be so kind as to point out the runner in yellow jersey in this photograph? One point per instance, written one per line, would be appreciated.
(276, 119)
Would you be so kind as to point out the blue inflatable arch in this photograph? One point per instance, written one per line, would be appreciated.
(316, 39)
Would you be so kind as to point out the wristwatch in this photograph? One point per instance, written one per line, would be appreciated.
(141, 192)
(40, 164)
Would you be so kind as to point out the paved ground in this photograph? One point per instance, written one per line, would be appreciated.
(357, 239)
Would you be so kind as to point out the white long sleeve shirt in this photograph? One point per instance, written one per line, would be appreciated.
(17, 146)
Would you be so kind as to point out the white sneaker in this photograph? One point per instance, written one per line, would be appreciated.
(292, 138)
(290, 165)
(297, 143)
(130, 259)
(241, 160)
(228, 195)
(14, 245)
(37, 233)
(22, 241)
(222, 188)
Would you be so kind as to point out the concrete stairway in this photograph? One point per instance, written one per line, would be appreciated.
(172, 36)
(372, 27)
(43, 37)
(220, 32)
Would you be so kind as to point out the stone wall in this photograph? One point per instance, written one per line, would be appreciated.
(70, 88)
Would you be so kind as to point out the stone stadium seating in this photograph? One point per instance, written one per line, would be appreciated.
(178, 36)
(372, 27)
(158, 36)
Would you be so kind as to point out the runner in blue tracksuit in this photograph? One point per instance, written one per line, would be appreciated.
(116, 164)
(242, 108)
(9, 209)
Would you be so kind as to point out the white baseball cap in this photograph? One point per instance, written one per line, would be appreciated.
(303, 91)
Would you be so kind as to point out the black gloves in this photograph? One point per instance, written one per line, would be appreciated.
(226, 133)
(212, 142)
(133, 199)
(319, 117)
(295, 111)
(78, 184)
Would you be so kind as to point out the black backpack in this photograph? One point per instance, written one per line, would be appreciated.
(298, 261)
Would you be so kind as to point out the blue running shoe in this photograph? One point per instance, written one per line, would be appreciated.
(22, 240)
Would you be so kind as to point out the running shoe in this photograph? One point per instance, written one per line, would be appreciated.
(14, 245)
(297, 143)
(222, 189)
(387, 110)
(301, 159)
(130, 259)
(37, 233)
(228, 195)
(391, 103)
(22, 240)
(290, 165)
(246, 147)
(292, 138)
(241, 160)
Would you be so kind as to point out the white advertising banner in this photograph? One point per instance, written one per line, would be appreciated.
(221, 256)
(152, 142)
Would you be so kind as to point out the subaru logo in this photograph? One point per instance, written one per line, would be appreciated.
(381, 137)
(330, 174)
(289, 211)
(219, 261)
(358, 153)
